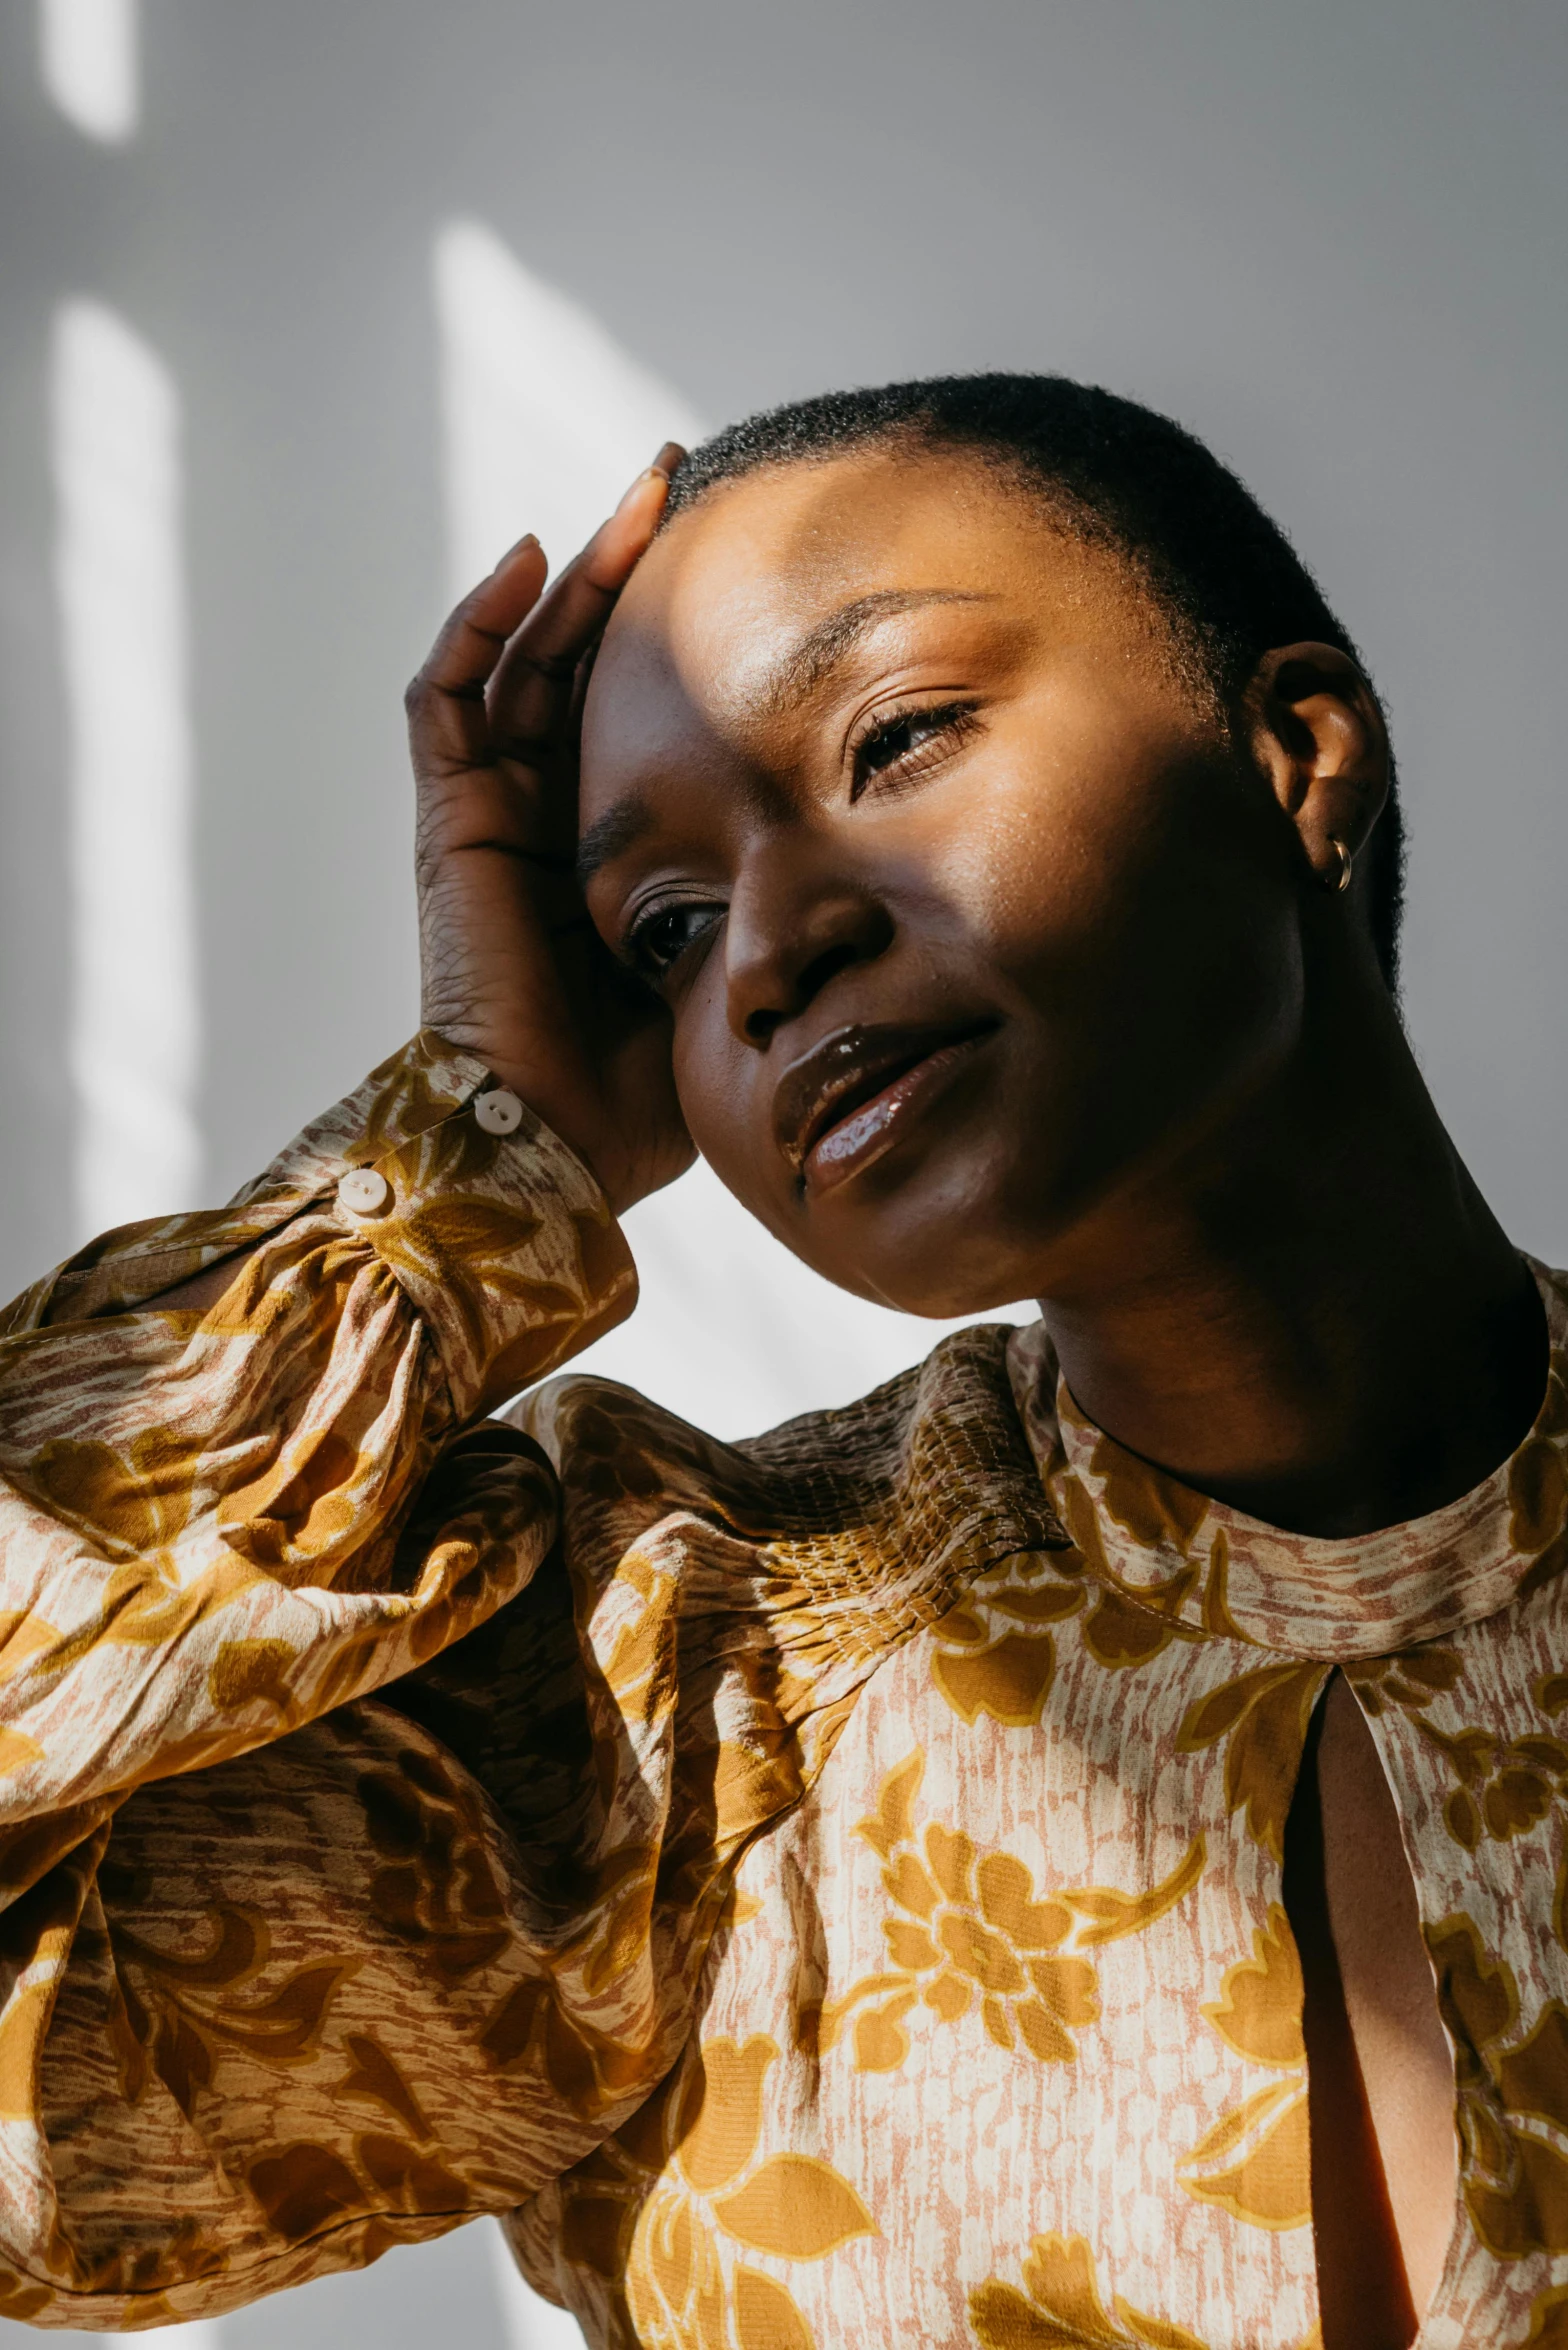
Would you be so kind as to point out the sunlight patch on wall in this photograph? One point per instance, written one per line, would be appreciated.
(546, 419)
(735, 1334)
(87, 54)
(133, 1039)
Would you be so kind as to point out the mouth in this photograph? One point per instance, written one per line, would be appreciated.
(852, 1097)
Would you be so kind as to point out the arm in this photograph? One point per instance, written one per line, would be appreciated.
(237, 1496)
(204, 1500)
(221, 1884)
(164, 1468)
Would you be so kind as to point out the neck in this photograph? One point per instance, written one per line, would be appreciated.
(1315, 1316)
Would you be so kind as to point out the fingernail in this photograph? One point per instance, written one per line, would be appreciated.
(651, 473)
(528, 539)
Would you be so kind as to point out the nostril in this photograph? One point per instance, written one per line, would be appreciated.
(780, 956)
(763, 1024)
(826, 966)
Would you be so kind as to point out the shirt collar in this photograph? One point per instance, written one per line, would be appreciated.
(1213, 1569)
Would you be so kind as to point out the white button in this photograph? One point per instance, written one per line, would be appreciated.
(498, 1112)
(363, 1191)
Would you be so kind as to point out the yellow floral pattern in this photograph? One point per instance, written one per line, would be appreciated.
(970, 1931)
(1513, 2090)
(789, 2207)
(996, 1655)
(1255, 2162)
(1549, 2321)
(1260, 1719)
(1060, 2307)
(782, 1879)
(674, 2213)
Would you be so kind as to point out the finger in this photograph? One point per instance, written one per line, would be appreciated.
(530, 692)
(581, 599)
(447, 723)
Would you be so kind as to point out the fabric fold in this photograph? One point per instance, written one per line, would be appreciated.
(202, 1511)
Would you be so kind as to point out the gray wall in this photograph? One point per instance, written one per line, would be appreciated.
(1330, 238)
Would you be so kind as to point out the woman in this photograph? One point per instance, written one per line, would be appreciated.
(1033, 1858)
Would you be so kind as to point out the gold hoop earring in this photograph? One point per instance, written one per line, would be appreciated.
(1341, 880)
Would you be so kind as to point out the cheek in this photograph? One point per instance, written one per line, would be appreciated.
(1120, 896)
(1111, 849)
(1134, 910)
(726, 1101)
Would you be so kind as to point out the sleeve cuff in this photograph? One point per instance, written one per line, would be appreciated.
(503, 1243)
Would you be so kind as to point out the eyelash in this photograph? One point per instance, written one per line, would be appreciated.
(934, 733)
(638, 948)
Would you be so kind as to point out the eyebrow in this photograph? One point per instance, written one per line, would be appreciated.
(805, 666)
(617, 830)
(795, 676)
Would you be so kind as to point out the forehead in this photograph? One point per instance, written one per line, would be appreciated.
(731, 590)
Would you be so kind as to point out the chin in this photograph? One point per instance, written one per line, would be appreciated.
(943, 1243)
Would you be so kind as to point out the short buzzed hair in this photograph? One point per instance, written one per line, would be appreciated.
(1226, 575)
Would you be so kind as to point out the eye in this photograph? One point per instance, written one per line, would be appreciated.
(901, 745)
(660, 936)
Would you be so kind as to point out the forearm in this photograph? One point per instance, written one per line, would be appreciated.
(194, 1479)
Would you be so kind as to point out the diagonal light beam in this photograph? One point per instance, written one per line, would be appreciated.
(545, 418)
(87, 55)
(119, 578)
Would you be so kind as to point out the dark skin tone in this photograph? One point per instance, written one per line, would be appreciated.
(1380, 2082)
(988, 806)
(923, 886)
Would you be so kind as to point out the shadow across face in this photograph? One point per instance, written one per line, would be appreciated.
(969, 914)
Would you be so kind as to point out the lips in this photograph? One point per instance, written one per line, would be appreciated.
(851, 1097)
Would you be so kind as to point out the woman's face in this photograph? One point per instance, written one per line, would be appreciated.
(968, 916)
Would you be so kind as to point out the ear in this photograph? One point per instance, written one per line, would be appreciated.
(1318, 736)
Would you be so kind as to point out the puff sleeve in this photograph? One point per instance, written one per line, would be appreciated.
(232, 1883)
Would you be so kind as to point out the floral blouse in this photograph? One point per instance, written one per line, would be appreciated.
(822, 1890)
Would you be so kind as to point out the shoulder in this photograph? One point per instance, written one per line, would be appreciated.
(926, 1476)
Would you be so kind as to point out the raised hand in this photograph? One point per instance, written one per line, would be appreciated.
(513, 970)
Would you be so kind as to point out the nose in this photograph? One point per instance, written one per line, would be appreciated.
(795, 922)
